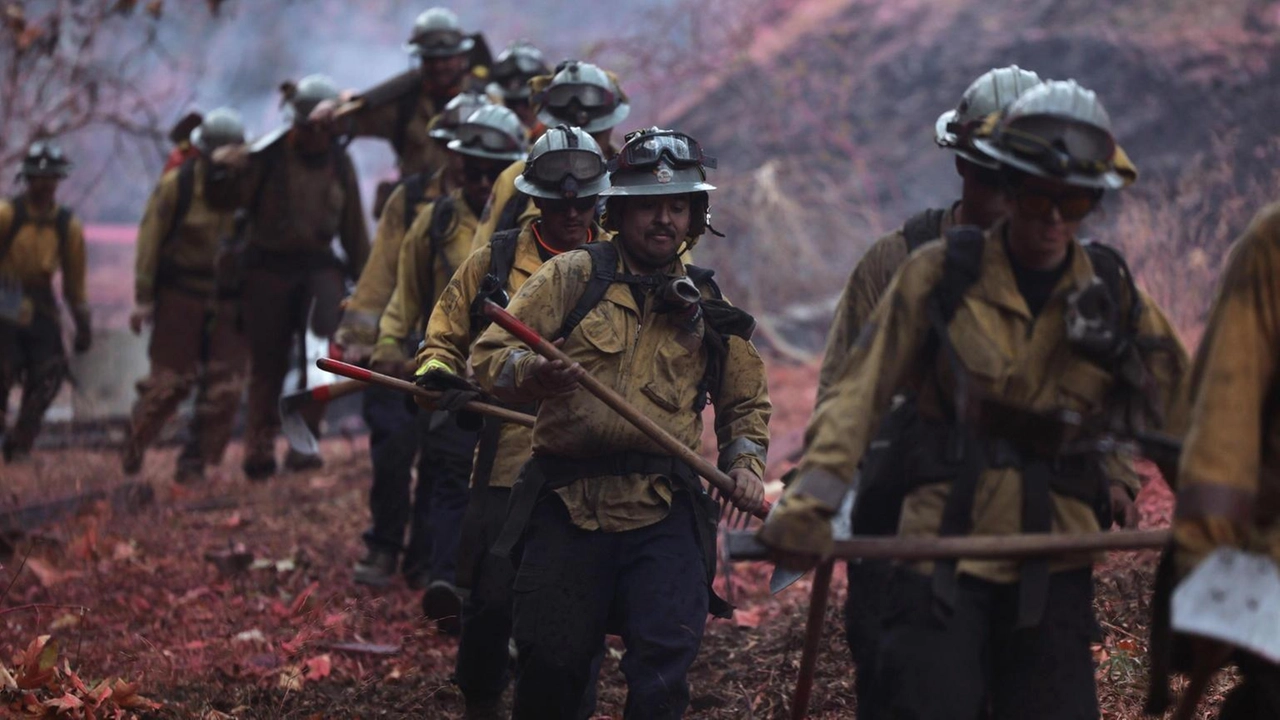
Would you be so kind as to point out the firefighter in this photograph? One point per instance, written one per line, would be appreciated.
(614, 534)
(564, 175)
(516, 65)
(436, 244)
(393, 433)
(38, 238)
(1003, 336)
(195, 343)
(577, 94)
(400, 110)
(299, 190)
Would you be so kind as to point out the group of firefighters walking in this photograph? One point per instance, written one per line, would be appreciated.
(983, 370)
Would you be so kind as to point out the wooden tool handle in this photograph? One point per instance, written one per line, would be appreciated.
(700, 465)
(337, 367)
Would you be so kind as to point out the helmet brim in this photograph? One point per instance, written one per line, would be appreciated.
(941, 135)
(466, 46)
(599, 186)
(457, 146)
(600, 124)
(1109, 180)
(657, 189)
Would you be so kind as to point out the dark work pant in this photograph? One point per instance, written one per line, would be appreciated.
(864, 612)
(34, 355)
(486, 615)
(573, 584)
(951, 669)
(393, 445)
(445, 473)
(1257, 697)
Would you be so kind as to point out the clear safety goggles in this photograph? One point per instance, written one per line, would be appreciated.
(518, 65)
(592, 99)
(483, 137)
(643, 151)
(1059, 146)
(439, 42)
(553, 166)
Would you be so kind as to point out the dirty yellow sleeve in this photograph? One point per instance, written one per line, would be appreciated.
(156, 221)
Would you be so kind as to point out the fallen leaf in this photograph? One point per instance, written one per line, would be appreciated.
(254, 635)
(6, 679)
(37, 664)
(364, 648)
(233, 520)
(47, 574)
(291, 679)
(64, 703)
(124, 551)
(65, 621)
(126, 696)
(319, 667)
(300, 603)
(747, 618)
(322, 482)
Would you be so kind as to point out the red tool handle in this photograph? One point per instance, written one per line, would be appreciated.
(539, 344)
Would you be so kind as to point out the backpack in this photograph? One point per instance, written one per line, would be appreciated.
(444, 218)
(61, 223)
(502, 256)
(720, 319)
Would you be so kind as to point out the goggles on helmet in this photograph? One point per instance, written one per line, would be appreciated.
(552, 167)
(1059, 147)
(486, 138)
(439, 42)
(643, 151)
(518, 64)
(592, 99)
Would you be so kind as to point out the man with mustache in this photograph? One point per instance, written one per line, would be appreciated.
(615, 535)
(194, 340)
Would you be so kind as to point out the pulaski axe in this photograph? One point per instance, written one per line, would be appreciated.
(292, 422)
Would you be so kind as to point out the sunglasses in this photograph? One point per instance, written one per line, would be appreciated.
(559, 205)
(475, 173)
(1072, 206)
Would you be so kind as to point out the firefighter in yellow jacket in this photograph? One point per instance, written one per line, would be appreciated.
(434, 247)
(401, 109)
(577, 94)
(1229, 477)
(38, 238)
(194, 340)
(1003, 336)
(393, 433)
(564, 175)
(299, 190)
(614, 534)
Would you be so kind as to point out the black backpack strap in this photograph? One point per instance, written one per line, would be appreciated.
(62, 224)
(444, 216)
(604, 271)
(186, 190)
(925, 226)
(493, 286)
(415, 189)
(405, 105)
(511, 212)
(1110, 267)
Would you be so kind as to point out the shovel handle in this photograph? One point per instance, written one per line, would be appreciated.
(347, 370)
(608, 396)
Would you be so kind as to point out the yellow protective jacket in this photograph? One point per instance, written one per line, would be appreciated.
(651, 362)
(450, 337)
(36, 254)
(504, 191)
(298, 205)
(1229, 478)
(1009, 357)
(184, 258)
(426, 264)
(378, 279)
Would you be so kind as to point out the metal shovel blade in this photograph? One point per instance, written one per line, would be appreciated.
(1232, 597)
(297, 433)
(841, 529)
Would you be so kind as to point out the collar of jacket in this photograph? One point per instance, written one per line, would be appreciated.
(997, 286)
(620, 293)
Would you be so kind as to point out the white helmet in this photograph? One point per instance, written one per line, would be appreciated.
(1057, 130)
(992, 92)
(565, 163)
(493, 132)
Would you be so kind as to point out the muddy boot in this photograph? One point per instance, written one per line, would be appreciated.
(259, 469)
(417, 577)
(298, 462)
(488, 709)
(375, 569)
(443, 604)
(189, 472)
(131, 458)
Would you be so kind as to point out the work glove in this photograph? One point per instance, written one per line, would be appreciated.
(84, 333)
(356, 341)
(143, 315)
(798, 531)
(455, 392)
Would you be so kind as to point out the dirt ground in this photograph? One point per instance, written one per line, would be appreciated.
(235, 600)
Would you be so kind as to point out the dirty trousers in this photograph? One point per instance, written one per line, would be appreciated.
(194, 344)
(951, 667)
(447, 452)
(393, 446)
(648, 585)
(35, 356)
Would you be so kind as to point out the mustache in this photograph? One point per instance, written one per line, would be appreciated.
(655, 230)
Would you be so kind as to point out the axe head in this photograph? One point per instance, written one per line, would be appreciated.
(295, 427)
(841, 529)
(295, 401)
(1233, 597)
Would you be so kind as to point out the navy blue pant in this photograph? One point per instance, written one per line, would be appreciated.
(648, 585)
(393, 445)
(444, 472)
(974, 660)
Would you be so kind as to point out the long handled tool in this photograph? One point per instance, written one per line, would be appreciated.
(700, 465)
(337, 367)
(294, 425)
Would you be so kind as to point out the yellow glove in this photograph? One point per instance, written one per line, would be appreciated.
(799, 531)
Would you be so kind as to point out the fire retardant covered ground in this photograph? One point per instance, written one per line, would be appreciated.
(235, 600)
